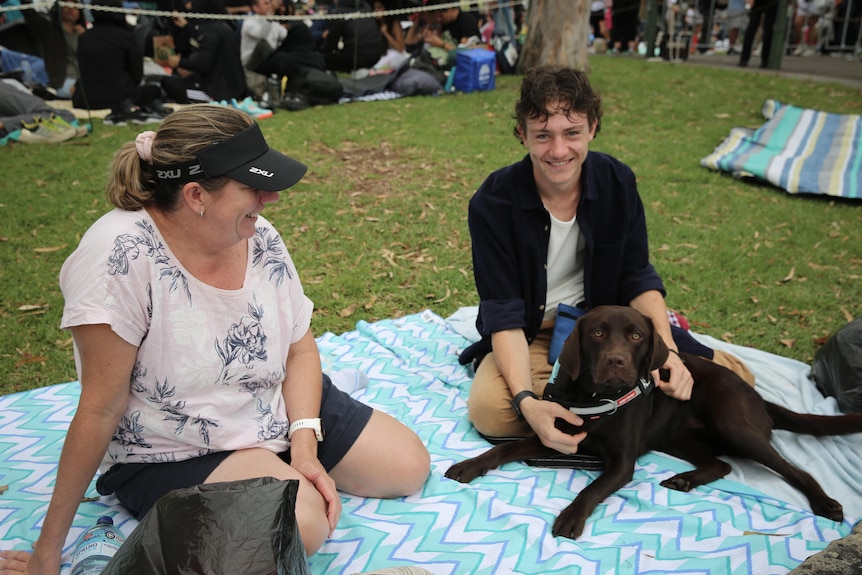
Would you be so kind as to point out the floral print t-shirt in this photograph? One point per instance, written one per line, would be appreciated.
(210, 362)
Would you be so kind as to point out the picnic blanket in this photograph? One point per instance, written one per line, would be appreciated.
(752, 522)
(800, 150)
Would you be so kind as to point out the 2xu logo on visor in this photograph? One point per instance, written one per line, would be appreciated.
(260, 172)
(245, 157)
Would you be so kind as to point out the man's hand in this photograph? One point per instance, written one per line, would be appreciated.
(680, 382)
(541, 415)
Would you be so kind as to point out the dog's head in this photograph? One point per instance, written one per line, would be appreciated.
(610, 350)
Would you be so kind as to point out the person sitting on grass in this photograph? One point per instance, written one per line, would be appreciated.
(185, 301)
(390, 26)
(57, 33)
(457, 28)
(271, 48)
(208, 56)
(111, 65)
(354, 43)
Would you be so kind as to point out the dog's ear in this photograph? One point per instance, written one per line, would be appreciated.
(570, 355)
(658, 351)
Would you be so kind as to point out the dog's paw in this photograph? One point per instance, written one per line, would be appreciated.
(678, 483)
(465, 472)
(828, 508)
(569, 524)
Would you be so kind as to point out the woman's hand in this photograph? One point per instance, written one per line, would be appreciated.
(305, 462)
(542, 415)
(24, 562)
(680, 382)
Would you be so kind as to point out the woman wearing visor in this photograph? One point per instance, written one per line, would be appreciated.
(193, 347)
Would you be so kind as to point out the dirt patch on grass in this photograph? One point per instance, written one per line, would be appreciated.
(375, 169)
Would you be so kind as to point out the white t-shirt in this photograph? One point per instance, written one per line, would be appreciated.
(254, 30)
(210, 362)
(565, 266)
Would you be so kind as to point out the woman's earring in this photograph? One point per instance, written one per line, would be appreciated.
(201, 214)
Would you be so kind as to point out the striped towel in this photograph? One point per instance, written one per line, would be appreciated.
(800, 150)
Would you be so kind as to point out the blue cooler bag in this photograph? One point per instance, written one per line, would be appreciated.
(474, 70)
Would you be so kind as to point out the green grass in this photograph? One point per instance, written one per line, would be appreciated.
(378, 226)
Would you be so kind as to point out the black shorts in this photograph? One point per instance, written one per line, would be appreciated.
(138, 486)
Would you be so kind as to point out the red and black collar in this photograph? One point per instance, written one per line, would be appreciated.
(605, 406)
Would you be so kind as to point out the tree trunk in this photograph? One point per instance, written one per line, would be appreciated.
(557, 33)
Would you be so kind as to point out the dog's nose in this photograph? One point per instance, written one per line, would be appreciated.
(615, 360)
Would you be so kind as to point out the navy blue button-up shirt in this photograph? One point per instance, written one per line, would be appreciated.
(510, 231)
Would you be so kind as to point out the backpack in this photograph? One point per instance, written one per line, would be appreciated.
(422, 60)
(507, 54)
(316, 87)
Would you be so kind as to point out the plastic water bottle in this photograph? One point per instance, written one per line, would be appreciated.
(96, 547)
(273, 90)
(450, 81)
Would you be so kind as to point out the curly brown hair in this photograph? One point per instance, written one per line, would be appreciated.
(548, 90)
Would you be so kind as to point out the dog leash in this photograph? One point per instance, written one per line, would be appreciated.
(606, 406)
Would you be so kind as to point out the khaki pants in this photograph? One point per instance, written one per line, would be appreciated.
(489, 407)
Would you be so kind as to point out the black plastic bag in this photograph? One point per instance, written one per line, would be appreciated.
(245, 527)
(837, 369)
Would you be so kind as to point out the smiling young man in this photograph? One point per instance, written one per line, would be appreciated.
(562, 226)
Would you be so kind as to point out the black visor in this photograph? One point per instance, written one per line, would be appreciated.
(246, 158)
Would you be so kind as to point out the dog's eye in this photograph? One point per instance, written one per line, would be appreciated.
(598, 332)
(636, 336)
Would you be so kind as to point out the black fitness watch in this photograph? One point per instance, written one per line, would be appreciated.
(519, 397)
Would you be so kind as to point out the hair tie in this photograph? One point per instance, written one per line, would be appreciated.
(144, 145)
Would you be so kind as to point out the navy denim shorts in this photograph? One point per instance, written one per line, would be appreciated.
(138, 486)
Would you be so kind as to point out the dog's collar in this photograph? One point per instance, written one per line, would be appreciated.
(605, 406)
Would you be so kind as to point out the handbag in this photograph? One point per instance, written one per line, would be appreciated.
(567, 317)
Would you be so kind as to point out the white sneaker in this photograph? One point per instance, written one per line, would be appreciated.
(349, 380)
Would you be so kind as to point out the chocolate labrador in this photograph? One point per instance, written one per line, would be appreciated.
(603, 374)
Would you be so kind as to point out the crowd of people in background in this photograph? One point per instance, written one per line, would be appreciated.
(239, 53)
(236, 53)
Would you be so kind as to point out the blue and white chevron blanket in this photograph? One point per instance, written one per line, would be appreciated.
(800, 150)
(749, 523)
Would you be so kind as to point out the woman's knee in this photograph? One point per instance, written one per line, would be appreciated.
(387, 460)
(310, 507)
(410, 463)
(414, 466)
